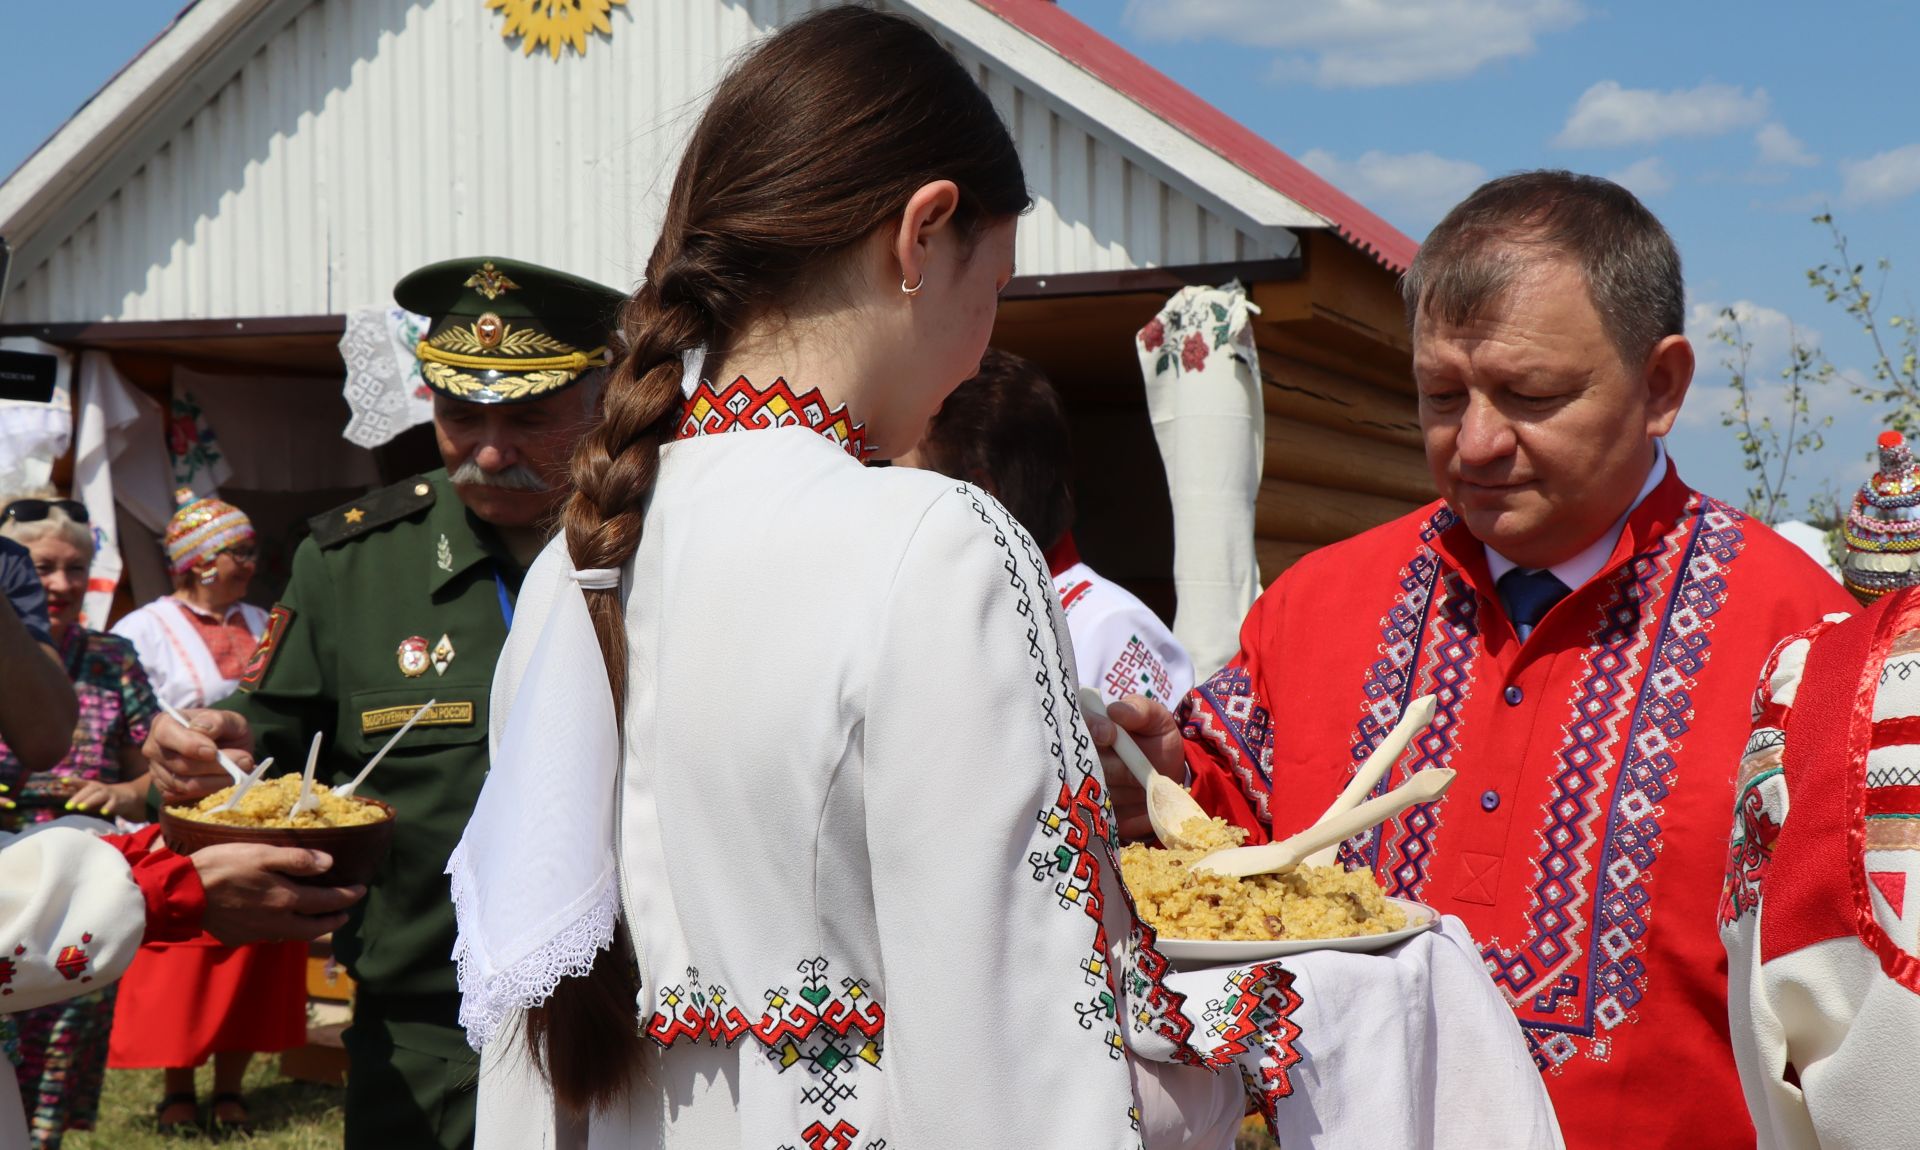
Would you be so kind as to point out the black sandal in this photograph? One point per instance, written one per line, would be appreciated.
(229, 1097)
(168, 1102)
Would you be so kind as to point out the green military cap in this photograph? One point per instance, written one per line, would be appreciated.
(504, 331)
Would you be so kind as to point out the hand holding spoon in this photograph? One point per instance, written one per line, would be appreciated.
(1169, 806)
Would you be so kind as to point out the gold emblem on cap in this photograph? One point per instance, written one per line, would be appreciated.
(488, 329)
(490, 281)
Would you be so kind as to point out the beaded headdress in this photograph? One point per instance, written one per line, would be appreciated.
(202, 529)
(1883, 526)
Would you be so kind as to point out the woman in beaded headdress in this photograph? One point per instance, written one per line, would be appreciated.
(1883, 526)
(191, 1000)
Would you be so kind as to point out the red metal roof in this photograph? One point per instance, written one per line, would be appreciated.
(1054, 26)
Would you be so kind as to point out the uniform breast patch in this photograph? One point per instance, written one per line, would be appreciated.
(393, 718)
(262, 657)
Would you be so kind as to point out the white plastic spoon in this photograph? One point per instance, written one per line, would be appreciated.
(1169, 806)
(246, 784)
(1283, 856)
(307, 800)
(233, 769)
(346, 792)
(1418, 714)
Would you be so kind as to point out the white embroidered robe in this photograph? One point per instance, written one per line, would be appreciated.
(862, 839)
(178, 664)
(1820, 912)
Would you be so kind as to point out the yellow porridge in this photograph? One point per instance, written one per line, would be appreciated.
(267, 804)
(1308, 903)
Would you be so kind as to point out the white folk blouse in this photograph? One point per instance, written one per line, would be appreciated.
(1820, 912)
(176, 659)
(863, 847)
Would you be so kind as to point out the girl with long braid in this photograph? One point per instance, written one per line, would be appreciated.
(794, 835)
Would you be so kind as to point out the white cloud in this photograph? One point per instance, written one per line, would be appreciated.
(1644, 178)
(1417, 187)
(1362, 43)
(1780, 148)
(1892, 175)
(1609, 116)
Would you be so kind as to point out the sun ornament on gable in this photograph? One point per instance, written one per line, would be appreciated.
(552, 23)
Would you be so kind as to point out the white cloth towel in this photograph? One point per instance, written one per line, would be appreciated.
(1411, 1048)
(1203, 395)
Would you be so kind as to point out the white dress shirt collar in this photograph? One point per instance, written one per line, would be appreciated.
(1576, 571)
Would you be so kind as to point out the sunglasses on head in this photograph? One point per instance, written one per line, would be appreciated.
(34, 510)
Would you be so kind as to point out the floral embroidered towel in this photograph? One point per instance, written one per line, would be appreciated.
(1203, 394)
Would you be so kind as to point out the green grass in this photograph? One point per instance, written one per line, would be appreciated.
(287, 1115)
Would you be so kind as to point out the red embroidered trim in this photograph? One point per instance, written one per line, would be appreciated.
(745, 407)
(277, 621)
(1901, 617)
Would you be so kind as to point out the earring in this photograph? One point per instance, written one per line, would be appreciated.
(915, 289)
(208, 576)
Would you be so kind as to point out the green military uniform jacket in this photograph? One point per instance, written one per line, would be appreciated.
(354, 648)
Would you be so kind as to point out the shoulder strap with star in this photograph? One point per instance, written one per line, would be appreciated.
(374, 509)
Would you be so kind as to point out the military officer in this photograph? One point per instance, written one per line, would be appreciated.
(399, 598)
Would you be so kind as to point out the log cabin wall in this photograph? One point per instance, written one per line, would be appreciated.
(1343, 450)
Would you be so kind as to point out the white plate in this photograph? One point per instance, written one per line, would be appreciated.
(1232, 952)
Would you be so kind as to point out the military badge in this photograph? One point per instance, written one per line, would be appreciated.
(413, 656)
(442, 654)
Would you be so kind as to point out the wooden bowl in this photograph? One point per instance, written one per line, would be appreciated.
(357, 851)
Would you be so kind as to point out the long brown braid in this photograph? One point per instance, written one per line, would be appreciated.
(814, 141)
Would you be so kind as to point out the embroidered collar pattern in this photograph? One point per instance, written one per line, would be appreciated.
(742, 406)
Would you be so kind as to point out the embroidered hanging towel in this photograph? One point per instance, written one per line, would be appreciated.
(1203, 394)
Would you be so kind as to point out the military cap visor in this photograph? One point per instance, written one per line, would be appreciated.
(505, 331)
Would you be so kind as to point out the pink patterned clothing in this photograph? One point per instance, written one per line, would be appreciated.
(63, 1047)
(116, 708)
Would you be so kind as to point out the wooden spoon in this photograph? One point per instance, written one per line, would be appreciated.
(1415, 719)
(1283, 856)
(1169, 806)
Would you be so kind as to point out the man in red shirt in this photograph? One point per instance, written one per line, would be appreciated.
(1591, 627)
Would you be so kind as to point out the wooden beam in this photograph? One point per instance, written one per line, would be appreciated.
(1163, 281)
(1298, 512)
(1338, 351)
(1303, 392)
(1317, 455)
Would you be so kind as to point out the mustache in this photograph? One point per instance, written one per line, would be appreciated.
(519, 477)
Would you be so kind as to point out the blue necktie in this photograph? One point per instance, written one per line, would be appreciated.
(1529, 595)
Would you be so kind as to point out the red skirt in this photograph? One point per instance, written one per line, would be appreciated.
(180, 1002)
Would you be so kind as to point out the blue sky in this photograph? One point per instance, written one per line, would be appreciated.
(1735, 122)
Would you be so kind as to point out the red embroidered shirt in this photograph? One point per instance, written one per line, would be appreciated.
(1584, 838)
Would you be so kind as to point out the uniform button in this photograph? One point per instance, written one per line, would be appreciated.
(1489, 801)
(421, 489)
(1514, 695)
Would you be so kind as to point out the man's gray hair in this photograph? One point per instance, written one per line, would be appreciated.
(1632, 268)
